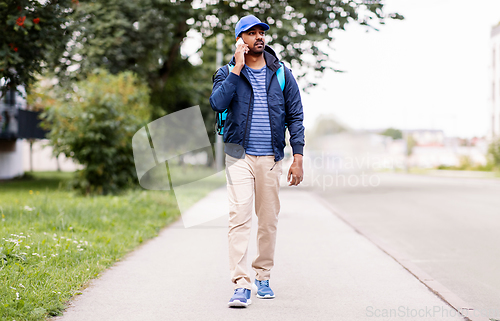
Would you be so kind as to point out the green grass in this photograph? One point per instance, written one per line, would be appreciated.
(54, 241)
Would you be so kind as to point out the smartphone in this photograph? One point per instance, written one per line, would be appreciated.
(239, 42)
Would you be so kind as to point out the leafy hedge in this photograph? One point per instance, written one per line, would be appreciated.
(94, 125)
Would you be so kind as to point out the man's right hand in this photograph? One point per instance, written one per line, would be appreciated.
(239, 56)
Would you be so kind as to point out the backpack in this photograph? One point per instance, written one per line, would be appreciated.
(220, 118)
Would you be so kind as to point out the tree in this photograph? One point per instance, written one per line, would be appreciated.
(95, 125)
(298, 27)
(33, 35)
(494, 154)
(392, 132)
(145, 36)
(410, 144)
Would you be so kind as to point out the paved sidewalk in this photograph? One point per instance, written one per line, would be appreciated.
(324, 270)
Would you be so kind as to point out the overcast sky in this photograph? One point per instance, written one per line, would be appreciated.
(429, 71)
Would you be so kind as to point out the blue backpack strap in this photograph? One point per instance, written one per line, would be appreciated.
(221, 117)
(281, 76)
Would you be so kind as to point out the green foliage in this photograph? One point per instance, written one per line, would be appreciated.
(302, 31)
(494, 153)
(466, 164)
(94, 125)
(145, 36)
(410, 144)
(33, 34)
(392, 132)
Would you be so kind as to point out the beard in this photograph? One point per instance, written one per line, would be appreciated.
(258, 49)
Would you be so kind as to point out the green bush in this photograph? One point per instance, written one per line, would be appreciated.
(94, 125)
(494, 154)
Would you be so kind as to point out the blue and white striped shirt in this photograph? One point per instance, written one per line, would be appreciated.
(260, 143)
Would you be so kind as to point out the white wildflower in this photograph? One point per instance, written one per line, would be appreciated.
(29, 209)
(22, 286)
(27, 246)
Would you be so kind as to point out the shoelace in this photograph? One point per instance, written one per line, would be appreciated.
(264, 283)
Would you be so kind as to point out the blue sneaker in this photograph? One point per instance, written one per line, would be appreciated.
(241, 298)
(263, 290)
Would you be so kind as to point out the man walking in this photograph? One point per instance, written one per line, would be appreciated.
(259, 109)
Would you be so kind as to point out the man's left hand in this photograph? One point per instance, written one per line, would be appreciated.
(296, 172)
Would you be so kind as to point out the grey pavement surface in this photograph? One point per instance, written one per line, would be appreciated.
(324, 270)
(447, 226)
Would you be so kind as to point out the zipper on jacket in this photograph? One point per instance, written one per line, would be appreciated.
(270, 124)
(248, 114)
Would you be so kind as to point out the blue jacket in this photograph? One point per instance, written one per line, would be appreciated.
(234, 93)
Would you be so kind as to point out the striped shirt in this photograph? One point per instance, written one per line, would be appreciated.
(259, 143)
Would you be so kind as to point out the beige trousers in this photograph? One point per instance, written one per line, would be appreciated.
(249, 178)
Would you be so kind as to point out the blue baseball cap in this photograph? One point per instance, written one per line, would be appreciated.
(247, 22)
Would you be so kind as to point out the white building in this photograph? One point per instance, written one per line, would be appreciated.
(11, 151)
(15, 153)
(426, 137)
(495, 82)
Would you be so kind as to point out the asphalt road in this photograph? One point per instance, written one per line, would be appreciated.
(449, 227)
